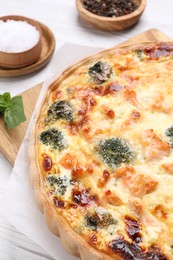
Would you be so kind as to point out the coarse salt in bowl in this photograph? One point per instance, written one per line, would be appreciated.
(20, 41)
(17, 36)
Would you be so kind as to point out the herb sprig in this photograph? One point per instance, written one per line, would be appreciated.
(12, 109)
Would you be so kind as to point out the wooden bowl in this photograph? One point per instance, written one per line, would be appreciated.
(111, 23)
(14, 60)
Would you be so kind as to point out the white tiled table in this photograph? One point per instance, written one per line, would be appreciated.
(62, 18)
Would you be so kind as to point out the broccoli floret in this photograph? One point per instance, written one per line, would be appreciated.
(169, 133)
(139, 53)
(59, 110)
(95, 220)
(114, 151)
(54, 138)
(92, 222)
(59, 183)
(100, 72)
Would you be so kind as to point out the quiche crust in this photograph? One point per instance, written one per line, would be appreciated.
(74, 243)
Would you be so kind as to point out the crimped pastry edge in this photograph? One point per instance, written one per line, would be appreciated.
(71, 241)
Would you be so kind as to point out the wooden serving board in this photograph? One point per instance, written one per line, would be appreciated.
(10, 140)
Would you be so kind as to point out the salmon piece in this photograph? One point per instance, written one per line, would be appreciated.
(57, 94)
(159, 105)
(78, 172)
(68, 161)
(141, 185)
(135, 206)
(103, 180)
(158, 102)
(133, 118)
(168, 167)
(90, 169)
(123, 171)
(131, 96)
(112, 198)
(107, 111)
(87, 133)
(160, 212)
(153, 146)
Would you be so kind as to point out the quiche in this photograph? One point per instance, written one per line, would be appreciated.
(101, 155)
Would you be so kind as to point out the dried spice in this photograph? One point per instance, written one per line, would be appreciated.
(110, 8)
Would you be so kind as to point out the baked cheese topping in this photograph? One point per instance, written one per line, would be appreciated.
(105, 150)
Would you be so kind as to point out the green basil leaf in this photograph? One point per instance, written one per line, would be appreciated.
(14, 114)
(4, 101)
(7, 97)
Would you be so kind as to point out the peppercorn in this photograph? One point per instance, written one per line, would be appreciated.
(110, 8)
